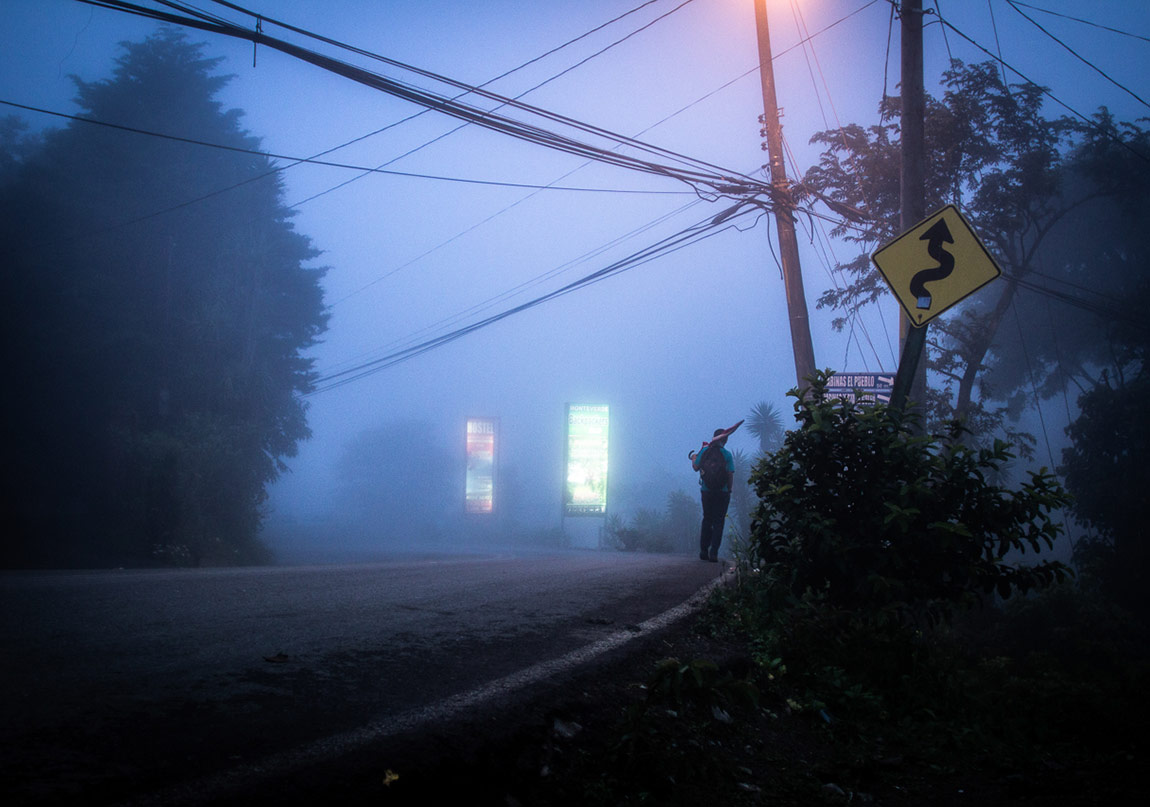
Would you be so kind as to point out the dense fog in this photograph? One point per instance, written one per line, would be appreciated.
(692, 339)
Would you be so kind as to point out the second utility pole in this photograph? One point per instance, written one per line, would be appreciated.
(910, 382)
(784, 219)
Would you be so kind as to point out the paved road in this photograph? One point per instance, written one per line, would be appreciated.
(120, 684)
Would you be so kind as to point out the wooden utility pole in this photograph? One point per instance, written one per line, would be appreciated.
(784, 218)
(911, 378)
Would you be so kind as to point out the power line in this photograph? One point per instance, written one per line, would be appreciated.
(1078, 55)
(1106, 296)
(751, 71)
(945, 38)
(330, 163)
(997, 41)
(210, 22)
(486, 118)
(697, 232)
(808, 38)
(122, 6)
(1046, 91)
(886, 66)
(804, 34)
(367, 172)
(563, 72)
(499, 99)
(1084, 22)
(1106, 312)
(702, 176)
(521, 287)
(464, 125)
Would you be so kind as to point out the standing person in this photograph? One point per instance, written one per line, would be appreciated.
(716, 467)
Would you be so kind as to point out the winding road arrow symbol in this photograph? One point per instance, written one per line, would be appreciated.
(935, 237)
(963, 265)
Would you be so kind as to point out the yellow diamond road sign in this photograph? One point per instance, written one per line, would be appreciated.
(935, 264)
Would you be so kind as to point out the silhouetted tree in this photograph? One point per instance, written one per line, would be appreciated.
(1107, 473)
(159, 306)
(766, 423)
(15, 145)
(400, 484)
(1020, 178)
(1105, 467)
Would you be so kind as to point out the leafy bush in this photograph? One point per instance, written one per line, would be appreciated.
(859, 513)
(867, 541)
(647, 532)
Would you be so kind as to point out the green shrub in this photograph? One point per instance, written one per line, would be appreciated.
(646, 533)
(858, 512)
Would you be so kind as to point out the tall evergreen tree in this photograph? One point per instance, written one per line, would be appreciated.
(161, 307)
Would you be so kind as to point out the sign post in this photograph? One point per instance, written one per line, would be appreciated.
(962, 266)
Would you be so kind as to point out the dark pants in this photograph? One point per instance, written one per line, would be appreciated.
(715, 504)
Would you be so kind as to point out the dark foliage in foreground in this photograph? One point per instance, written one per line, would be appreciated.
(1035, 703)
(848, 667)
(857, 513)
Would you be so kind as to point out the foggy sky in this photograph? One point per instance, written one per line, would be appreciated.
(403, 254)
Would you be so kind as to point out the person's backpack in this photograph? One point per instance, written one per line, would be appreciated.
(714, 468)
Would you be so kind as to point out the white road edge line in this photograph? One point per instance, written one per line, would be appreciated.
(211, 787)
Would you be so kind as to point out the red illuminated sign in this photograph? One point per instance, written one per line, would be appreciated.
(480, 485)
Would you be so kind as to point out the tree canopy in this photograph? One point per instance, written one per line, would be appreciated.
(1045, 194)
(161, 303)
(1063, 205)
(766, 424)
(1105, 464)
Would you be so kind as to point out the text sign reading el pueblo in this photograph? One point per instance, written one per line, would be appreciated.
(862, 386)
(935, 264)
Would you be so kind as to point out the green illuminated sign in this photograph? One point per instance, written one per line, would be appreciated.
(585, 490)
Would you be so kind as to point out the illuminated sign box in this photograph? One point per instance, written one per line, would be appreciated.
(585, 489)
(480, 484)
